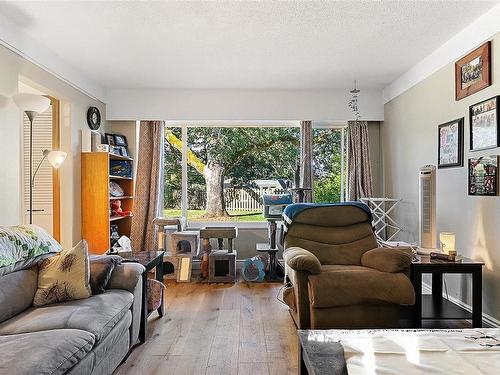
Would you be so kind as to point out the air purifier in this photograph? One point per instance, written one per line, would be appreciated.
(427, 207)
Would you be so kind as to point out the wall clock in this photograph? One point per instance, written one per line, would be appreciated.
(93, 118)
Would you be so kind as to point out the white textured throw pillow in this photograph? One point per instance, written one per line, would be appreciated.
(64, 276)
(23, 246)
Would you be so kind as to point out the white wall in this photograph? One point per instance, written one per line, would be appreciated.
(479, 31)
(233, 105)
(73, 106)
(409, 140)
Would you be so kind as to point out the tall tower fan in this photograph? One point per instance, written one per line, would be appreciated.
(427, 207)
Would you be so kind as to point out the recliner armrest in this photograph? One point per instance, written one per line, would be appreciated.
(387, 259)
(300, 259)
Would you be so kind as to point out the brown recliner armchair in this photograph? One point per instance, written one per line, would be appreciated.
(339, 276)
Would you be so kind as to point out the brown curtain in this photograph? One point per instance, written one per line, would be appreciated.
(306, 175)
(148, 186)
(359, 175)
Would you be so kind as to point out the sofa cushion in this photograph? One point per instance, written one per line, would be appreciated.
(107, 345)
(339, 285)
(97, 315)
(64, 277)
(101, 268)
(16, 292)
(44, 352)
(333, 245)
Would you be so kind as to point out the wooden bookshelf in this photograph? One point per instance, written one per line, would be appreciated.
(96, 200)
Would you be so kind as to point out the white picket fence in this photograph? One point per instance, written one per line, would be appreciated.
(238, 199)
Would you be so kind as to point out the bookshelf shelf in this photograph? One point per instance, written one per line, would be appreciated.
(111, 177)
(115, 218)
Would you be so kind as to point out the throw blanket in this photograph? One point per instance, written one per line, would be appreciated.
(24, 245)
(413, 351)
(293, 210)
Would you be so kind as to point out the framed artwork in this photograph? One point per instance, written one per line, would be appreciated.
(124, 151)
(184, 269)
(115, 150)
(110, 139)
(451, 144)
(483, 176)
(120, 140)
(484, 124)
(472, 72)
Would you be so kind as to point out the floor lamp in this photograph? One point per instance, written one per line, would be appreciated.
(32, 105)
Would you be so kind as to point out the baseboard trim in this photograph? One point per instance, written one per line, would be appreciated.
(488, 319)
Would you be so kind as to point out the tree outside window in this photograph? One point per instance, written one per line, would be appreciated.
(230, 168)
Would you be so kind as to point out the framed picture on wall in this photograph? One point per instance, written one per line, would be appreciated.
(483, 176)
(484, 124)
(451, 144)
(472, 72)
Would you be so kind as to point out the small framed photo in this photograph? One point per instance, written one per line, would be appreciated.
(483, 176)
(120, 140)
(110, 139)
(451, 144)
(484, 124)
(184, 269)
(124, 151)
(472, 72)
(115, 150)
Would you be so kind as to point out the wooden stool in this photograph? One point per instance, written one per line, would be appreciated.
(176, 239)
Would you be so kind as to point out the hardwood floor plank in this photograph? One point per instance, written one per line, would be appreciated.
(217, 329)
(253, 369)
(252, 342)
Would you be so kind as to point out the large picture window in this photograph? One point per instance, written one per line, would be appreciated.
(227, 169)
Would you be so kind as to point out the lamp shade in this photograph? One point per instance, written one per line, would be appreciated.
(447, 240)
(56, 158)
(31, 102)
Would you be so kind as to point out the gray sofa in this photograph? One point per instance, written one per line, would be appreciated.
(87, 336)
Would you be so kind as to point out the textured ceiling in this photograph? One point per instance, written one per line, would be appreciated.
(243, 44)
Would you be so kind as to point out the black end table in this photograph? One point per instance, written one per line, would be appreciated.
(150, 260)
(436, 307)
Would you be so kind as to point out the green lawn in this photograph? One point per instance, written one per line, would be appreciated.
(240, 216)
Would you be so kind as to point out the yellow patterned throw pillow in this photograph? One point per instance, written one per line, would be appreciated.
(64, 276)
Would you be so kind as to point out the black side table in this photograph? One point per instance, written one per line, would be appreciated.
(150, 260)
(434, 306)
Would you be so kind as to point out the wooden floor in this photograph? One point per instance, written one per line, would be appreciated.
(218, 329)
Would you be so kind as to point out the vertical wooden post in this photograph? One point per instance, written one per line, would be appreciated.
(204, 259)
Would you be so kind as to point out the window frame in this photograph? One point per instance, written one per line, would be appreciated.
(185, 125)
